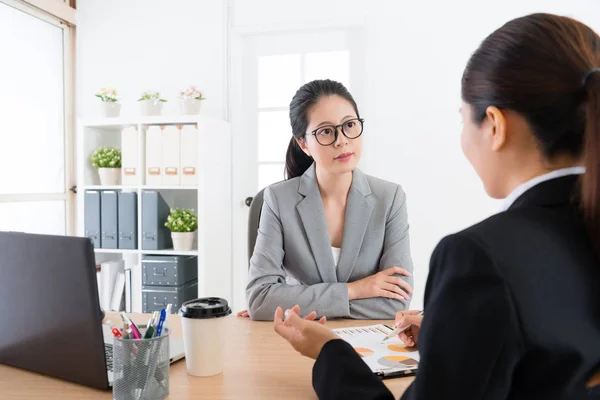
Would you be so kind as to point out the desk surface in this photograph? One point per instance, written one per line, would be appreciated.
(258, 365)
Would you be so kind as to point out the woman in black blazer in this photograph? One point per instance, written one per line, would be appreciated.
(512, 304)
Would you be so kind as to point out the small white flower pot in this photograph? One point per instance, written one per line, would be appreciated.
(190, 106)
(109, 176)
(183, 241)
(151, 107)
(110, 110)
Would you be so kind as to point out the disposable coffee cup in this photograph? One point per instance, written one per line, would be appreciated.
(204, 323)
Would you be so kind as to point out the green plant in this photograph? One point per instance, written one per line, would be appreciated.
(182, 220)
(107, 94)
(150, 95)
(106, 157)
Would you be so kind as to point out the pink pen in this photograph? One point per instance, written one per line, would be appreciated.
(135, 332)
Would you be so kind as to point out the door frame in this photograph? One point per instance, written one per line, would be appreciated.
(239, 112)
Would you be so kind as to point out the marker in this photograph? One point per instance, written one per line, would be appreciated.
(126, 331)
(398, 331)
(161, 321)
(150, 327)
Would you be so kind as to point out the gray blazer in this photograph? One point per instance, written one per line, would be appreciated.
(293, 242)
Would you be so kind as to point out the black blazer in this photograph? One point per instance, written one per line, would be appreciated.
(512, 311)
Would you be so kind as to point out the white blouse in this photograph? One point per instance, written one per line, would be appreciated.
(336, 251)
(515, 194)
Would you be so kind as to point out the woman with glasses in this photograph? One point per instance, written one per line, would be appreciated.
(331, 238)
(512, 306)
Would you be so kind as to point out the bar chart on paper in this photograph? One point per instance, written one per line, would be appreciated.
(389, 357)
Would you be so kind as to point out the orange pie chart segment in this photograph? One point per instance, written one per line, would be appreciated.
(363, 352)
(397, 359)
(398, 348)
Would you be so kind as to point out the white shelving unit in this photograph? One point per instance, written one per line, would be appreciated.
(210, 197)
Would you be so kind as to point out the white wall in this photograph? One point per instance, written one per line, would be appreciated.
(416, 52)
(416, 55)
(137, 45)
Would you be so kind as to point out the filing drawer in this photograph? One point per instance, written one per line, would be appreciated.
(155, 298)
(169, 270)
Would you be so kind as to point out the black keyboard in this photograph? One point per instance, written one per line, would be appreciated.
(108, 353)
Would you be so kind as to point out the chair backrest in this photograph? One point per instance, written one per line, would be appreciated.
(254, 221)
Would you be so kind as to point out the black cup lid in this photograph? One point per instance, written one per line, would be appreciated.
(207, 307)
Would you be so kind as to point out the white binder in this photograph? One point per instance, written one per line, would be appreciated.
(130, 156)
(109, 272)
(128, 294)
(153, 156)
(189, 155)
(171, 138)
(116, 300)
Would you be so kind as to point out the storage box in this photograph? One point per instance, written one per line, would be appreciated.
(155, 298)
(168, 270)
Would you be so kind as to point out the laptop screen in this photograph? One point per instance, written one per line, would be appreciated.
(51, 319)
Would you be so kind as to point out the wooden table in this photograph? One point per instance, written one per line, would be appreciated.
(258, 365)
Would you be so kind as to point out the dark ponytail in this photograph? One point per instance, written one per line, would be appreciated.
(296, 160)
(534, 66)
(591, 155)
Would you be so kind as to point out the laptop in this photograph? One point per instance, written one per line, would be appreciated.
(51, 322)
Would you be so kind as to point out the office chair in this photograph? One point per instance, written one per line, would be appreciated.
(255, 205)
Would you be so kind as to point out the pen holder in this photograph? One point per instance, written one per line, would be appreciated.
(141, 368)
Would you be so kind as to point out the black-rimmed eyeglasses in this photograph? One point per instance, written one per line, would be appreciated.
(328, 134)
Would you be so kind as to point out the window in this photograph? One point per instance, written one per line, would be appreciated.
(278, 79)
(34, 155)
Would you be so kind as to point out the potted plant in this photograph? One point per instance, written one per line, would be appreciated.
(108, 162)
(151, 103)
(110, 106)
(190, 101)
(183, 224)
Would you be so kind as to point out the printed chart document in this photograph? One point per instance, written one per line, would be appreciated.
(388, 359)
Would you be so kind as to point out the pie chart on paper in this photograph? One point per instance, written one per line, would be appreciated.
(397, 361)
(398, 348)
(363, 352)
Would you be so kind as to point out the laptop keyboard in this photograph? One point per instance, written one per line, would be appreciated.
(108, 353)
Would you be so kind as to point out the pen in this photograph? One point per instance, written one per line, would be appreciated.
(161, 321)
(168, 311)
(398, 331)
(135, 332)
(116, 332)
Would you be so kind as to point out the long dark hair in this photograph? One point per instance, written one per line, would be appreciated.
(542, 66)
(296, 161)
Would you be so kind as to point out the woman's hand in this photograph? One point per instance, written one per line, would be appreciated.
(410, 336)
(306, 336)
(243, 313)
(381, 284)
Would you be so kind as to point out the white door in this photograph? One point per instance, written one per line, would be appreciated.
(35, 158)
(267, 69)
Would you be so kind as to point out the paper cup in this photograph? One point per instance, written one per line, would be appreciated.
(204, 323)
